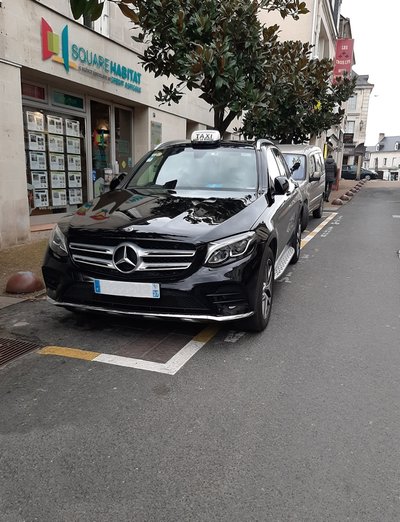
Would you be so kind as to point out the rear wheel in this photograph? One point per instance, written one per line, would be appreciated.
(304, 217)
(317, 213)
(296, 244)
(264, 294)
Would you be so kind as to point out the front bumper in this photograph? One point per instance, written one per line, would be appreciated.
(211, 294)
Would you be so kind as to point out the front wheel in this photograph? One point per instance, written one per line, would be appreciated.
(264, 294)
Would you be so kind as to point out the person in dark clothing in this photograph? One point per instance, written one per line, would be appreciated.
(330, 175)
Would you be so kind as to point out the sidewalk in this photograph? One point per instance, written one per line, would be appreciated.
(29, 256)
(344, 186)
(26, 257)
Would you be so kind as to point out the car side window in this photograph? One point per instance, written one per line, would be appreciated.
(320, 163)
(273, 168)
(313, 165)
(282, 165)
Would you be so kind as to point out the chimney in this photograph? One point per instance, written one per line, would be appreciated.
(381, 136)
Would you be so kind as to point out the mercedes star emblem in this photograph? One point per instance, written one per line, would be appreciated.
(125, 258)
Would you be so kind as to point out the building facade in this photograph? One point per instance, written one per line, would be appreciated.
(384, 157)
(356, 122)
(77, 108)
(321, 28)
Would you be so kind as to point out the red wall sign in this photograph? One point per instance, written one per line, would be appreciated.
(344, 57)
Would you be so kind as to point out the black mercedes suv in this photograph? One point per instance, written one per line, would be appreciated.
(198, 230)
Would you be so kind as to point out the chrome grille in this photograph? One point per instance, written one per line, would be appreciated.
(148, 259)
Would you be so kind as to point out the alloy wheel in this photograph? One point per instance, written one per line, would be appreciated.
(267, 289)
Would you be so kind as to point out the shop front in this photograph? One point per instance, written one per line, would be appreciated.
(77, 110)
(74, 146)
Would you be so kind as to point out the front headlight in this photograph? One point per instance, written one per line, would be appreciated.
(57, 242)
(221, 251)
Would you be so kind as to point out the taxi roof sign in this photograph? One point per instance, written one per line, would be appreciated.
(206, 136)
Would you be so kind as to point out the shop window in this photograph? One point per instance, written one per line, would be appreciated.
(352, 103)
(33, 92)
(101, 25)
(64, 99)
(56, 161)
(350, 127)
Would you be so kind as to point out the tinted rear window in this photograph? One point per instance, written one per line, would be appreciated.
(292, 159)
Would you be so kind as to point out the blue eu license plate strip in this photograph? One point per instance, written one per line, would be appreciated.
(127, 289)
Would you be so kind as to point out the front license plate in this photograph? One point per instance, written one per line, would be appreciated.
(149, 290)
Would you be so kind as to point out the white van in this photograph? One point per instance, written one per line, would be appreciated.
(306, 163)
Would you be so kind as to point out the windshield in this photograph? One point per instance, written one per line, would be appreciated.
(291, 159)
(187, 168)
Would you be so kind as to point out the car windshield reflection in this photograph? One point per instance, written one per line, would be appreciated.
(187, 168)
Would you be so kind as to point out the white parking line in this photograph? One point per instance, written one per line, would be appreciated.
(171, 367)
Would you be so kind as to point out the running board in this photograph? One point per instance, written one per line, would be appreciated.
(283, 261)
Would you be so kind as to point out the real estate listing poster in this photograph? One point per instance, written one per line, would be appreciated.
(57, 179)
(59, 198)
(73, 145)
(74, 163)
(36, 141)
(75, 179)
(41, 198)
(54, 124)
(37, 161)
(56, 143)
(57, 162)
(39, 180)
(72, 128)
(34, 121)
(75, 196)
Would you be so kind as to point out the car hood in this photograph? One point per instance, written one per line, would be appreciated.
(164, 214)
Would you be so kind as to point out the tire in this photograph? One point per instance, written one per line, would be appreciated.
(264, 294)
(317, 213)
(367, 177)
(304, 217)
(296, 244)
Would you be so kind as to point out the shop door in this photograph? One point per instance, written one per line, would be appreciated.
(123, 139)
(101, 146)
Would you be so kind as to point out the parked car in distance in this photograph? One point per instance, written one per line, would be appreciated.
(306, 164)
(197, 230)
(350, 172)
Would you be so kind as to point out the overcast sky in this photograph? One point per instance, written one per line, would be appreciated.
(376, 32)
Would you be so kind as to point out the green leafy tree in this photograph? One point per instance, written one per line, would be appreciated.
(301, 99)
(219, 48)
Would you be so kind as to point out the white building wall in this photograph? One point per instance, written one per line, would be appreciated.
(14, 215)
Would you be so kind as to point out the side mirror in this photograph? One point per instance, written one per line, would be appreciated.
(281, 185)
(116, 181)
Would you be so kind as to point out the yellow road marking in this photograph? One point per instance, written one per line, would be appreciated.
(75, 353)
(207, 334)
(312, 234)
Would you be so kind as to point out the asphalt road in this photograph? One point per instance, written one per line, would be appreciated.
(300, 422)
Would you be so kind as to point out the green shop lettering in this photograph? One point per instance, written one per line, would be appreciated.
(105, 64)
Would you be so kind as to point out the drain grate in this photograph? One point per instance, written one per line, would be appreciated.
(12, 348)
